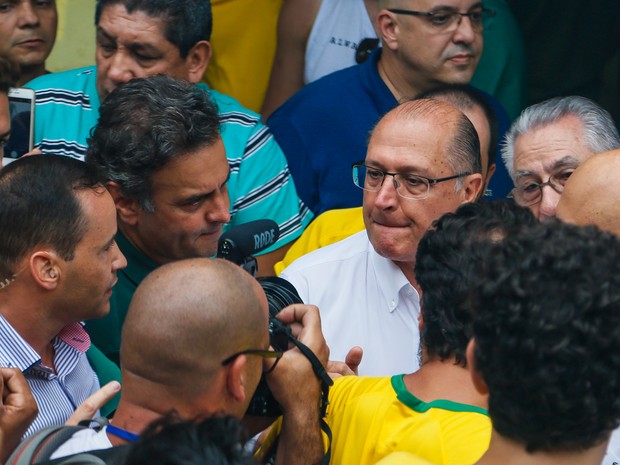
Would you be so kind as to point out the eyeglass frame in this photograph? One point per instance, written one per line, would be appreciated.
(559, 188)
(430, 181)
(430, 14)
(265, 353)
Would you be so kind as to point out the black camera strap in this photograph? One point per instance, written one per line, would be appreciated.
(326, 382)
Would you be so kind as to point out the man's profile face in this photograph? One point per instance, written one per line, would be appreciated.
(435, 57)
(133, 45)
(555, 149)
(27, 30)
(417, 146)
(5, 121)
(191, 207)
(91, 274)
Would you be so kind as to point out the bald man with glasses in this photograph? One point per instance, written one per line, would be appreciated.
(196, 342)
(423, 160)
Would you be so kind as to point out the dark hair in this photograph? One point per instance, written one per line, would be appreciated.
(465, 97)
(146, 123)
(445, 258)
(9, 74)
(547, 335)
(187, 21)
(464, 152)
(39, 205)
(213, 441)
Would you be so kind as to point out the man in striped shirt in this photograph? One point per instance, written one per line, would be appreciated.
(58, 263)
(140, 38)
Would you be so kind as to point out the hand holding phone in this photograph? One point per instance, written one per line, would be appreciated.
(21, 107)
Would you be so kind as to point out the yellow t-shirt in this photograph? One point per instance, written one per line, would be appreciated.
(402, 458)
(327, 228)
(371, 418)
(243, 44)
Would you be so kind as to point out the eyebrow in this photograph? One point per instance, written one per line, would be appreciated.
(133, 46)
(407, 169)
(198, 197)
(568, 160)
(450, 7)
(110, 242)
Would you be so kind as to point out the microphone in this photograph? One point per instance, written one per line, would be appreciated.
(241, 242)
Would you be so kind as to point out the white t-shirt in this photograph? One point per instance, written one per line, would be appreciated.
(365, 300)
(83, 441)
(612, 456)
(339, 27)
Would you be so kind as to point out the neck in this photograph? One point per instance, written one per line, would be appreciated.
(503, 451)
(32, 320)
(395, 79)
(132, 418)
(407, 269)
(442, 379)
(28, 73)
(132, 234)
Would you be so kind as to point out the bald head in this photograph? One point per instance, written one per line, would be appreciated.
(463, 151)
(188, 316)
(592, 193)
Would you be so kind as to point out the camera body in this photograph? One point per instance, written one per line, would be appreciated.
(280, 293)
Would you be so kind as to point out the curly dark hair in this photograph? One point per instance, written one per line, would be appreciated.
(170, 441)
(446, 257)
(146, 123)
(547, 333)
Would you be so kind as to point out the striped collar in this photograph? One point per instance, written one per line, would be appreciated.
(16, 352)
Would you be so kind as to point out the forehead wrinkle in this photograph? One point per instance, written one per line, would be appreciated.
(552, 166)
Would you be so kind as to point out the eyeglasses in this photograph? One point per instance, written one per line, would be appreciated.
(261, 353)
(531, 193)
(407, 185)
(448, 19)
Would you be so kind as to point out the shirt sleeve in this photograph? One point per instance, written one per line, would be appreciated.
(260, 184)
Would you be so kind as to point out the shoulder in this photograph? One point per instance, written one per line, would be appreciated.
(228, 106)
(72, 79)
(322, 93)
(351, 248)
(83, 441)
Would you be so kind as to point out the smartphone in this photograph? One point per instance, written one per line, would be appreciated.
(21, 108)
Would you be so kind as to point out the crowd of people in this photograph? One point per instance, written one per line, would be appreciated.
(447, 258)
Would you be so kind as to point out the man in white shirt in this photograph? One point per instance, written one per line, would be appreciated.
(364, 285)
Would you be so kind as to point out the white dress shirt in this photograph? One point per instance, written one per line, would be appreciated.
(365, 300)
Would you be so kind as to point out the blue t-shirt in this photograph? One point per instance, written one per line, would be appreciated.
(324, 128)
(260, 184)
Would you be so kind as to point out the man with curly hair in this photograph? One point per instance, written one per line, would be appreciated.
(435, 413)
(546, 345)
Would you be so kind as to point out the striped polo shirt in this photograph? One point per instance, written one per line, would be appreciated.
(57, 394)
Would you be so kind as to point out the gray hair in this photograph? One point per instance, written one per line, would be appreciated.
(599, 130)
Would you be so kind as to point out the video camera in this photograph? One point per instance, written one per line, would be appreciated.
(238, 246)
